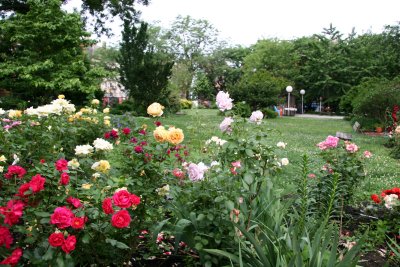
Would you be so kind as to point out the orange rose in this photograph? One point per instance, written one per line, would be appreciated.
(155, 110)
(175, 135)
(160, 134)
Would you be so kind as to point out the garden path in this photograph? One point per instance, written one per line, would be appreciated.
(316, 116)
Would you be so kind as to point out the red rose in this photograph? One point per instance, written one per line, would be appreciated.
(135, 199)
(5, 237)
(62, 217)
(69, 244)
(122, 199)
(126, 131)
(376, 198)
(114, 133)
(42, 161)
(121, 219)
(13, 211)
(74, 202)
(133, 140)
(138, 149)
(61, 165)
(157, 123)
(56, 239)
(13, 259)
(107, 206)
(37, 183)
(22, 189)
(142, 132)
(64, 180)
(15, 170)
(78, 222)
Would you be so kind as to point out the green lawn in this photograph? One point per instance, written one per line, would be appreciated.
(301, 136)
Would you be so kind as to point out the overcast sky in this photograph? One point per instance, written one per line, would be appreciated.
(244, 22)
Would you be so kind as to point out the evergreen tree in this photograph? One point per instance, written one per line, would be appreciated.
(144, 72)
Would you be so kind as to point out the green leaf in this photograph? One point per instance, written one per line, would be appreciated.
(42, 214)
(249, 152)
(49, 254)
(229, 205)
(248, 178)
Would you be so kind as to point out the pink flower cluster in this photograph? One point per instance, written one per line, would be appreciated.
(63, 217)
(352, 148)
(224, 102)
(235, 165)
(225, 125)
(122, 199)
(13, 211)
(330, 142)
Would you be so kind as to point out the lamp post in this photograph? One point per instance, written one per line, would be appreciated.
(289, 89)
(302, 92)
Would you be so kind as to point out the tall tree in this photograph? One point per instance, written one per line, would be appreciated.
(100, 10)
(43, 53)
(144, 72)
(190, 40)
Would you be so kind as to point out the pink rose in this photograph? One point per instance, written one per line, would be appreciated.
(256, 117)
(224, 102)
(225, 125)
(61, 165)
(13, 211)
(74, 202)
(195, 172)
(367, 154)
(78, 222)
(62, 217)
(352, 148)
(135, 199)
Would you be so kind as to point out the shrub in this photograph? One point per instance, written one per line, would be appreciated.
(186, 104)
(242, 109)
(269, 113)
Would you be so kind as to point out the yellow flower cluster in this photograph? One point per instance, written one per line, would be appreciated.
(14, 114)
(172, 135)
(78, 117)
(155, 110)
(101, 166)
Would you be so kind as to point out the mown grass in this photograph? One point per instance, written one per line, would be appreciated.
(301, 136)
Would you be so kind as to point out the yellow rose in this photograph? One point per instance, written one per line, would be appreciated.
(86, 186)
(14, 113)
(95, 102)
(160, 134)
(3, 158)
(106, 110)
(61, 96)
(107, 123)
(397, 131)
(155, 110)
(101, 166)
(175, 135)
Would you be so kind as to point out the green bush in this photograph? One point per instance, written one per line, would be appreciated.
(269, 113)
(242, 109)
(186, 104)
(367, 124)
(373, 96)
(126, 106)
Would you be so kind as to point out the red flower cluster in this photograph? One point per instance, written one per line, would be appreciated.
(76, 203)
(64, 179)
(57, 240)
(13, 259)
(6, 238)
(36, 185)
(393, 191)
(12, 212)
(126, 131)
(61, 165)
(111, 134)
(16, 170)
(122, 199)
